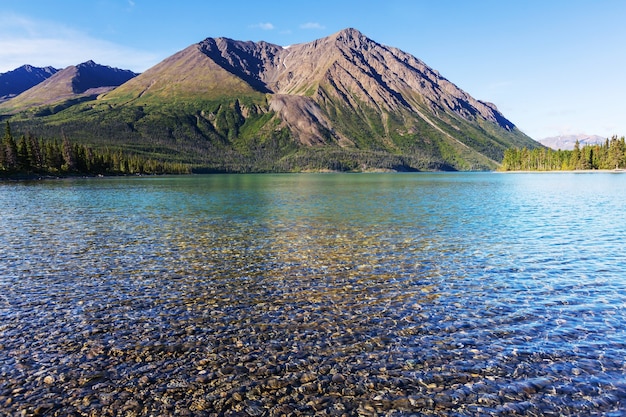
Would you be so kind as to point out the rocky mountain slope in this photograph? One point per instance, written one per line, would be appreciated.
(342, 102)
(74, 83)
(21, 79)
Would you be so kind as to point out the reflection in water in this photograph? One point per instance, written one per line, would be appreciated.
(439, 294)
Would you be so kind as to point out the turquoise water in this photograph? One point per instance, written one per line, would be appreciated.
(441, 294)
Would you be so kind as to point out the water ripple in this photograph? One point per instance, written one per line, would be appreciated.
(444, 294)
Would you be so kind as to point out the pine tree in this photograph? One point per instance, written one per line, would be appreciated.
(23, 158)
(615, 153)
(2, 146)
(10, 149)
(54, 157)
(34, 152)
(69, 157)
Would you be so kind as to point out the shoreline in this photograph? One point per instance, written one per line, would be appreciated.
(35, 177)
(569, 171)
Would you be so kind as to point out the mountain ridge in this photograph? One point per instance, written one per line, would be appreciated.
(21, 79)
(567, 142)
(76, 82)
(276, 81)
(220, 101)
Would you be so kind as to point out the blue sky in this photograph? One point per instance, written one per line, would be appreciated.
(552, 67)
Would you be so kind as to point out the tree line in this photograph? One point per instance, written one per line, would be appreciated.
(609, 155)
(31, 155)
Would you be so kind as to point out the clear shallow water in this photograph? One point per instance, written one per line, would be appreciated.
(365, 294)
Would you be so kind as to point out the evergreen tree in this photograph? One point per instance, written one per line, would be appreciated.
(615, 153)
(45, 156)
(576, 156)
(34, 152)
(3, 155)
(10, 149)
(609, 155)
(23, 159)
(54, 157)
(69, 158)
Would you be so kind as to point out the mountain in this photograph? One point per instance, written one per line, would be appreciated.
(21, 79)
(567, 142)
(344, 102)
(68, 86)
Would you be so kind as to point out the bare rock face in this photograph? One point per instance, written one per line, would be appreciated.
(232, 99)
(352, 68)
(247, 60)
(342, 90)
(305, 117)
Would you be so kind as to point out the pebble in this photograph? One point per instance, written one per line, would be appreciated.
(338, 379)
(281, 336)
(308, 377)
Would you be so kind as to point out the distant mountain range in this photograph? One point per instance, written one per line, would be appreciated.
(344, 102)
(567, 142)
(69, 86)
(21, 79)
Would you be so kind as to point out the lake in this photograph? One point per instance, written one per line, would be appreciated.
(446, 294)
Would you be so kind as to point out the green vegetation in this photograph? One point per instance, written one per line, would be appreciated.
(226, 106)
(242, 134)
(610, 155)
(32, 156)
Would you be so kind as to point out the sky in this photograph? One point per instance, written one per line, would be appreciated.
(552, 67)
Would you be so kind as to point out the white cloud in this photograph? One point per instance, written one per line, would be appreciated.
(26, 41)
(264, 26)
(312, 25)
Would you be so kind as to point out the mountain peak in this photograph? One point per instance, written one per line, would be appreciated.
(344, 92)
(348, 33)
(91, 75)
(346, 68)
(351, 37)
(83, 81)
(89, 63)
(21, 79)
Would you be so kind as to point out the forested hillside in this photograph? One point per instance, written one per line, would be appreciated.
(609, 155)
(29, 155)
